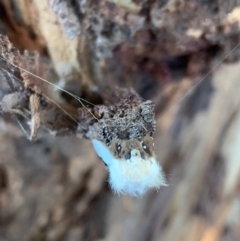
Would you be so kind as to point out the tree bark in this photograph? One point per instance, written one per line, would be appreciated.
(183, 55)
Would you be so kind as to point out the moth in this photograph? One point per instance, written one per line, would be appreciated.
(121, 128)
(123, 138)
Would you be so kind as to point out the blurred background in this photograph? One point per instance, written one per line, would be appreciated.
(185, 56)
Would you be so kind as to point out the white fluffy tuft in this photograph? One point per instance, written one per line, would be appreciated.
(134, 176)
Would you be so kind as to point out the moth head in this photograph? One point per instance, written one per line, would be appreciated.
(125, 149)
(133, 168)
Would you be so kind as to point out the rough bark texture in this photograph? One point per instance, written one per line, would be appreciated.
(55, 188)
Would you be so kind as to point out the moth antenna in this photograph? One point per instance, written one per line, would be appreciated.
(50, 83)
(51, 100)
(22, 127)
(62, 109)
